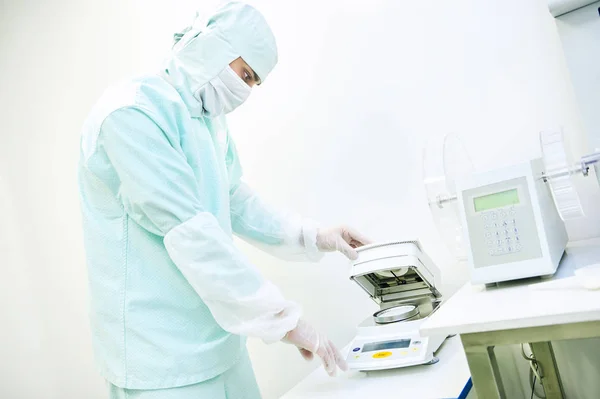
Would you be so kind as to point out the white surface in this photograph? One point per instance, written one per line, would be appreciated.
(357, 90)
(515, 305)
(445, 379)
(587, 277)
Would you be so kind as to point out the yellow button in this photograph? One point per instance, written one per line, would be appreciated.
(381, 355)
(415, 349)
(356, 357)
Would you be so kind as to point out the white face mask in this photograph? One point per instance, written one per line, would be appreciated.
(223, 94)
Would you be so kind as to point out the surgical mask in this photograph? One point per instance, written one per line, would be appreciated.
(223, 94)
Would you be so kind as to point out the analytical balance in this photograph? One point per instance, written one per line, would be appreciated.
(402, 279)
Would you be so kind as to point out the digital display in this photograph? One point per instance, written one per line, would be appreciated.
(496, 200)
(403, 343)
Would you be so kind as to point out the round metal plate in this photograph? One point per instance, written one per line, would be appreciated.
(396, 313)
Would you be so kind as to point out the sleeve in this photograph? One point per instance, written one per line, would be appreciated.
(283, 234)
(160, 192)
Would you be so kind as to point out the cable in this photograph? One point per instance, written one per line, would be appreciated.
(532, 375)
(528, 358)
(532, 380)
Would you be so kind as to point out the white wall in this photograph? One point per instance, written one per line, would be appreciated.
(335, 133)
(580, 35)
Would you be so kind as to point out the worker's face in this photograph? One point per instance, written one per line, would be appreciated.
(244, 71)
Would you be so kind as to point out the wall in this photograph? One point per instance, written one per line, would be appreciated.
(57, 57)
(334, 133)
(580, 35)
(561, 7)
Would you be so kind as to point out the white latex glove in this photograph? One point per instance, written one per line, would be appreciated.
(310, 342)
(343, 239)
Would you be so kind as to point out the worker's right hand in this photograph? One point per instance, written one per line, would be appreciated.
(309, 342)
(342, 239)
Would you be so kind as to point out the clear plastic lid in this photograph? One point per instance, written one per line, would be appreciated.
(560, 171)
(445, 159)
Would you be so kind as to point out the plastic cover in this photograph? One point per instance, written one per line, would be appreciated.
(558, 165)
(445, 159)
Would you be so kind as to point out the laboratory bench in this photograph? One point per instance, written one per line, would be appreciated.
(449, 378)
(516, 313)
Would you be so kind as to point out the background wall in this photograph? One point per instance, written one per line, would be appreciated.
(580, 34)
(336, 133)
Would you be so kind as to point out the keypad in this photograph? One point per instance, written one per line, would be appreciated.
(501, 232)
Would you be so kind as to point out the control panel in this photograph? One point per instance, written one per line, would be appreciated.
(501, 224)
(501, 231)
(387, 353)
(510, 223)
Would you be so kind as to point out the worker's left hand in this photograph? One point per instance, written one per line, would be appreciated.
(343, 239)
(310, 343)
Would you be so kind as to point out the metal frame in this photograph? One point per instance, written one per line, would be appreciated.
(479, 348)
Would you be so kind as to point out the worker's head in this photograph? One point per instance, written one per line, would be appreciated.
(215, 63)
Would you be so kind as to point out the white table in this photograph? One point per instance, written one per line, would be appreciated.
(449, 378)
(514, 313)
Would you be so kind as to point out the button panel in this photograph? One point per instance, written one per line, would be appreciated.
(416, 349)
(501, 231)
(382, 355)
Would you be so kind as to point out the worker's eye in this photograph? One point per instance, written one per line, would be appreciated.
(247, 76)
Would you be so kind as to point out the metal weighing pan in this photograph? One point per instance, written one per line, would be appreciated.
(395, 313)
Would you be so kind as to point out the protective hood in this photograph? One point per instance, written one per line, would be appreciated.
(207, 48)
